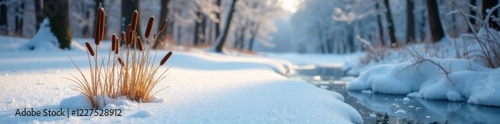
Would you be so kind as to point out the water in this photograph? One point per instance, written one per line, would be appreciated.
(385, 108)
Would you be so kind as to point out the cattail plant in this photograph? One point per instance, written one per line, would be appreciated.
(129, 71)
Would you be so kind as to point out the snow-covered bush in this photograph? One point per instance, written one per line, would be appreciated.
(128, 71)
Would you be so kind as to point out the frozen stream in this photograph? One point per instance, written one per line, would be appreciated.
(384, 108)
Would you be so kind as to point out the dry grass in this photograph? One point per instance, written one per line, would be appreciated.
(127, 71)
(489, 52)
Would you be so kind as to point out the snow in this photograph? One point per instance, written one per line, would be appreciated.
(44, 40)
(202, 88)
(466, 80)
(400, 111)
(406, 99)
(312, 60)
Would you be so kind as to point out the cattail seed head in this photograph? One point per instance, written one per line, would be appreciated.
(135, 15)
(124, 36)
(154, 36)
(130, 37)
(165, 58)
(163, 25)
(117, 47)
(149, 28)
(97, 28)
(139, 43)
(113, 42)
(120, 61)
(102, 18)
(89, 48)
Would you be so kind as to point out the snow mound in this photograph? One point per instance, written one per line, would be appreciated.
(466, 80)
(45, 40)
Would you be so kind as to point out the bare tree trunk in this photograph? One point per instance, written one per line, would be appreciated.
(380, 27)
(217, 15)
(473, 13)
(203, 26)
(221, 39)
(19, 19)
(57, 13)
(436, 27)
(38, 13)
(3, 17)
(164, 14)
(487, 4)
(196, 29)
(390, 24)
(252, 36)
(410, 28)
(242, 38)
(128, 8)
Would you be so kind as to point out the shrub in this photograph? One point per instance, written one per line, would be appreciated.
(129, 70)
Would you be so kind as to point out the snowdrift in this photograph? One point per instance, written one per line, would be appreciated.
(453, 80)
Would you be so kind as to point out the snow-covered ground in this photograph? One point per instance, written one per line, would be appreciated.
(438, 76)
(202, 88)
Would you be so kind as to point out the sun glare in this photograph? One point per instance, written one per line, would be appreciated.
(290, 5)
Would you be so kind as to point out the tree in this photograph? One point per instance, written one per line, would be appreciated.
(196, 32)
(410, 28)
(38, 13)
(379, 25)
(217, 15)
(390, 24)
(19, 22)
(253, 34)
(436, 27)
(488, 4)
(221, 39)
(57, 13)
(164, 14)
(3, 17)
(128, 7)
(472, 13)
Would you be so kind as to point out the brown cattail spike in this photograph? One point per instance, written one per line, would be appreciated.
(134, 20)
(116, 46)
(89, 48)
(154, 36)
(124, 36)
(165, 58)
(113, 40)
(130, 37)
(102, 13)
(97, 28)
(121, 61)
(163, 25)
(149, 28)
(139, 43)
